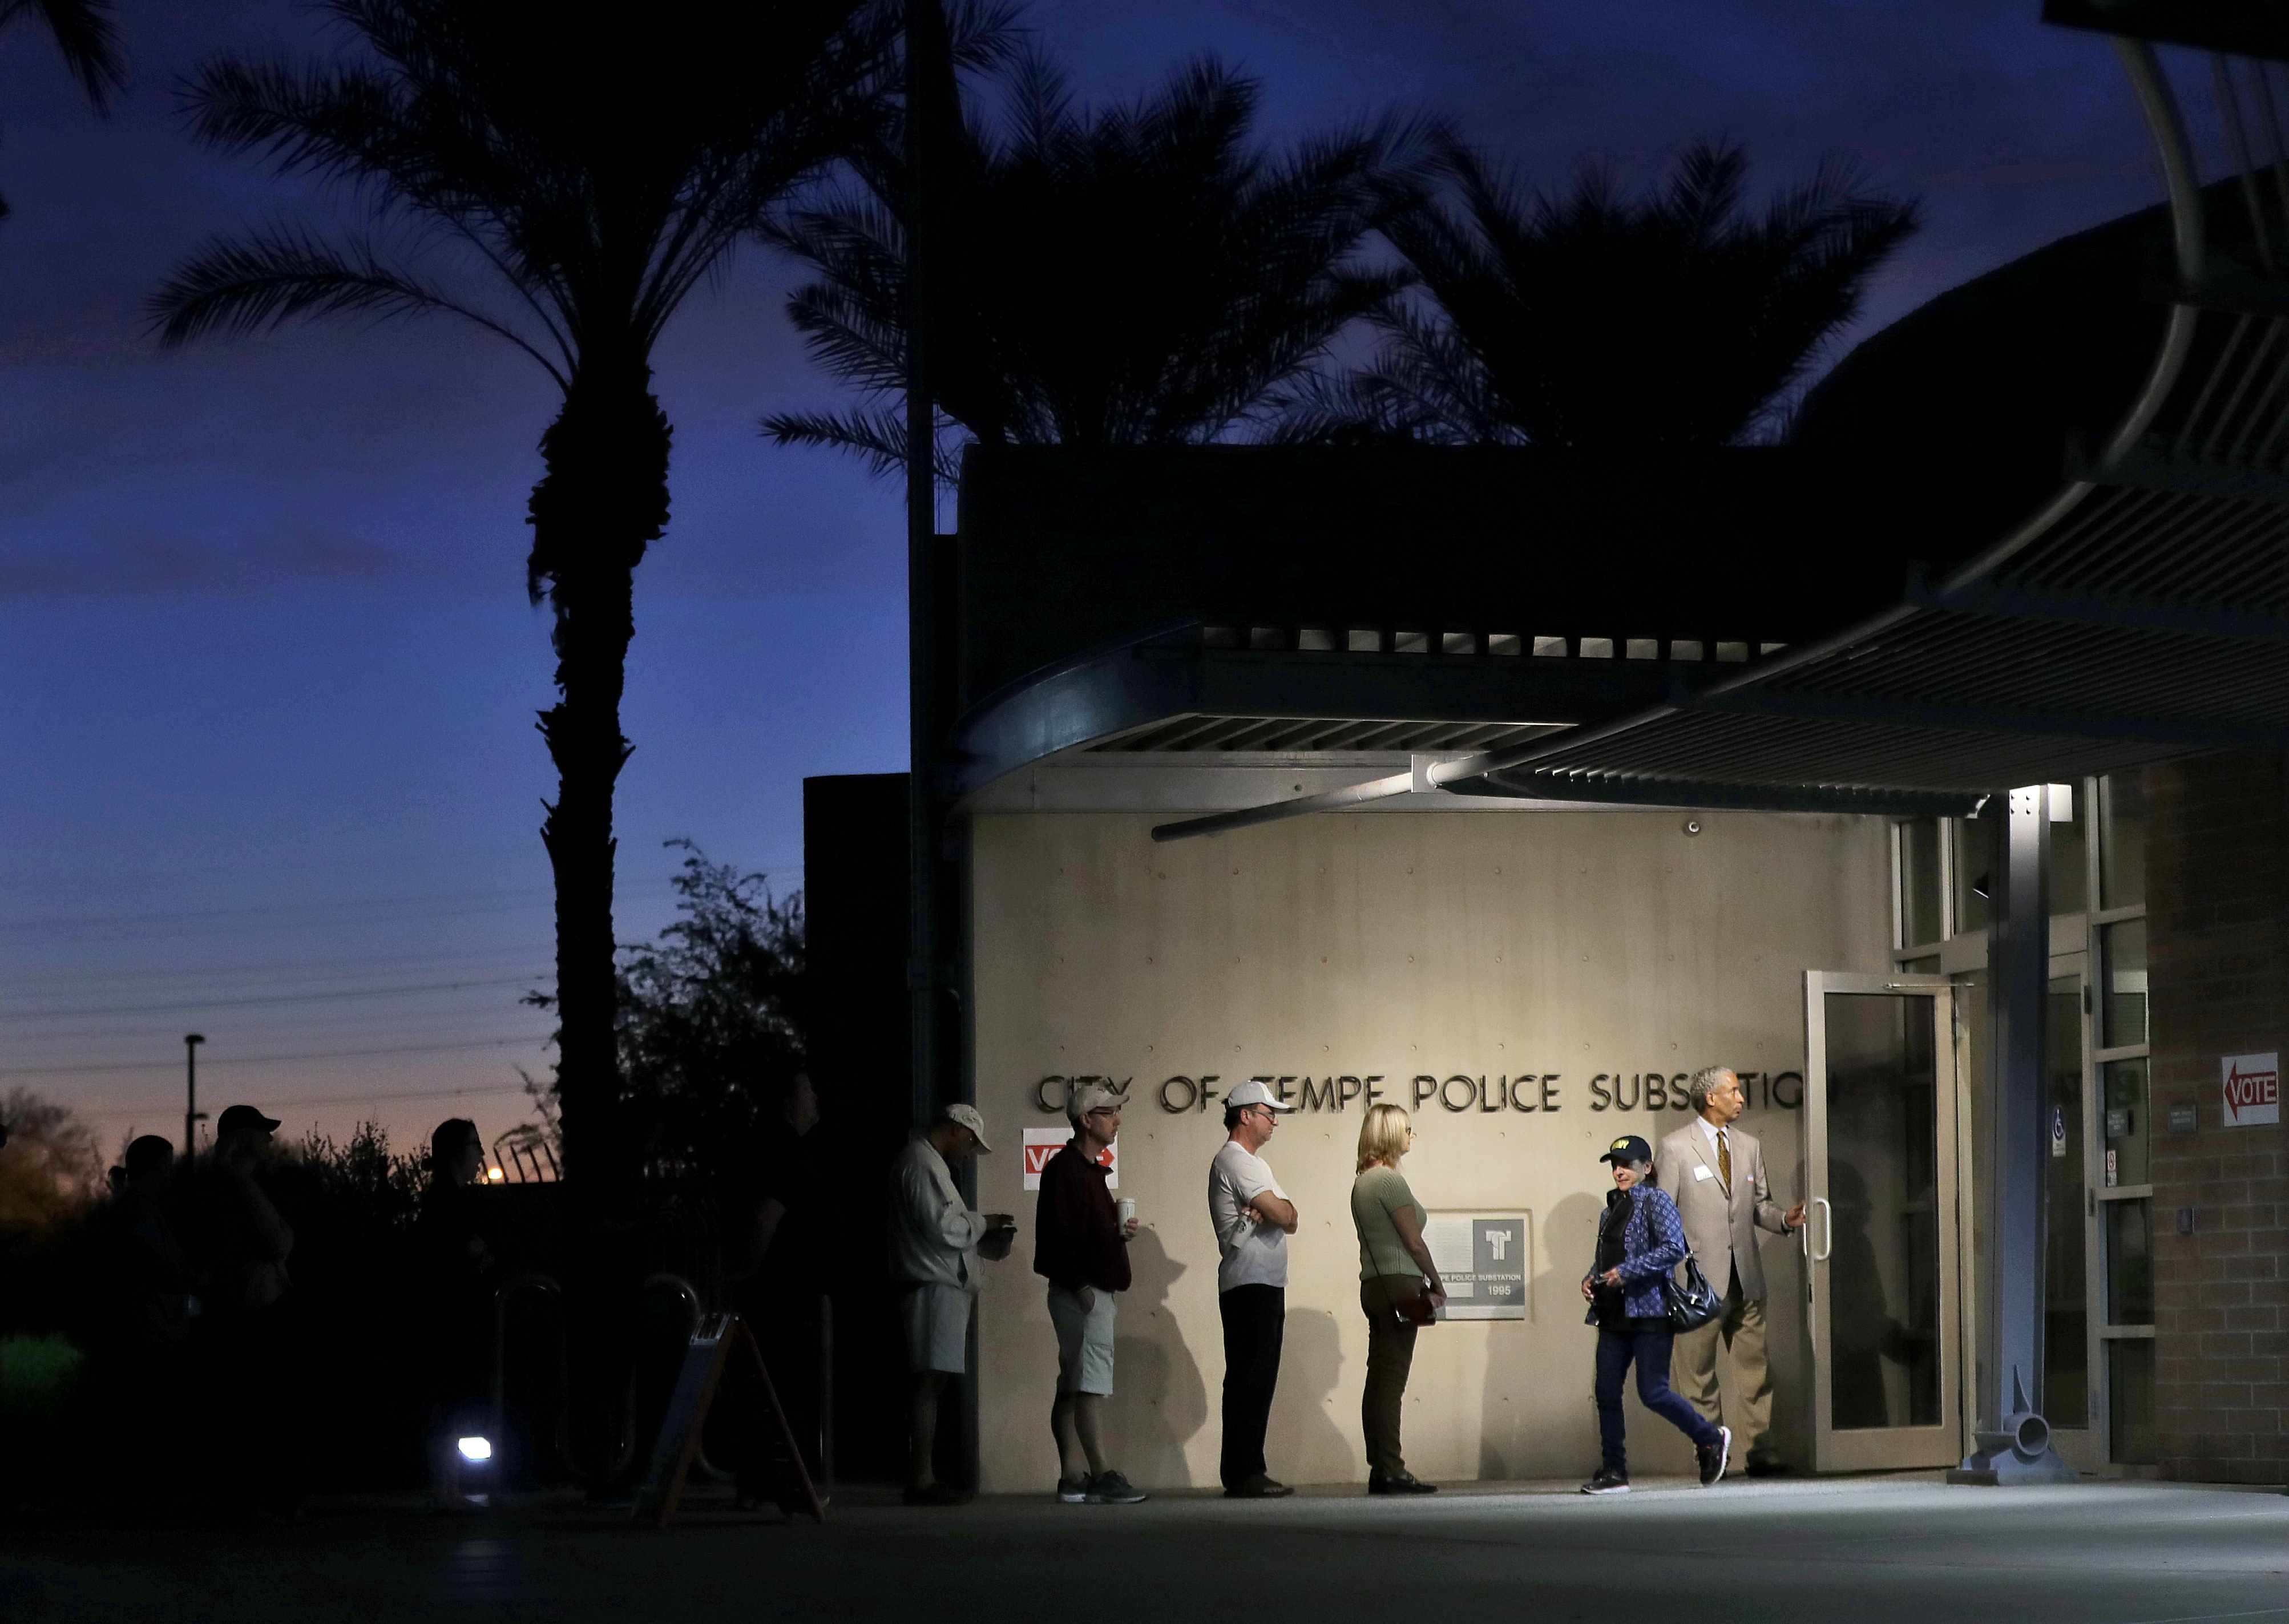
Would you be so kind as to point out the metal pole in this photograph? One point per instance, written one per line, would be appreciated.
(921, 584)
(2014, 1438)
(2019, 974)
(192, 1114)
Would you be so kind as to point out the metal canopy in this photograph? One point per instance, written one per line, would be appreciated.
(2142, 612)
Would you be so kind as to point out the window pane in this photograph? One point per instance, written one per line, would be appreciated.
(1978, 870)
(2131, 1382)
(2129, 1262)
(1920, 882)
(1920, 967)
(2129, 1147)
(2066, 1302)
(1883, 1158)
(2122, 1013)
(2070, 855)
(2121, 841)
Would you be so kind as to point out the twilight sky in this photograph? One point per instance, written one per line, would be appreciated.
(268, 674)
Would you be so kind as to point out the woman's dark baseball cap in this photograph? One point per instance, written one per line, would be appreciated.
(1629, 1148)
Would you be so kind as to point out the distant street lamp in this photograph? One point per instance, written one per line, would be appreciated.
(192, 1115)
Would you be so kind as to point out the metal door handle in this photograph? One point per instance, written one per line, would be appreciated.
(1827, 1228)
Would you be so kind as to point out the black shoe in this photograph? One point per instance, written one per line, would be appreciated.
(1607, 1481)
(1378, 1482)
(936, 1495)
(1767, 1466)
(1714, 1456)
(1110, 1488)
(1258, 1487)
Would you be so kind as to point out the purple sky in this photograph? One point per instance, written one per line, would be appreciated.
(266, 697)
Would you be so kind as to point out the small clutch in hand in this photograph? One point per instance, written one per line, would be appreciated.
(1413, 1308)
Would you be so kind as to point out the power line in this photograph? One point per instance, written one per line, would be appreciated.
(245, 1003)
(530, 952)
(538, 893)
(332, 1099)
(217, 1062)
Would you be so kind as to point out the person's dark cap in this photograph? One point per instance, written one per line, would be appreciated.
(244, 1116)
(1629, 1148)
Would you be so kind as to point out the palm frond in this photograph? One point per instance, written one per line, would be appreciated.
(87, 35)
(877, 436)
(1132, 274)
(1590, 321)
(262, 283)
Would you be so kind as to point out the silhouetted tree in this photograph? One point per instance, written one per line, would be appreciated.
(1141, 274)
(710, 1018)
(595, 171)
(85, 36)
(1593, 322)
(51, 1166)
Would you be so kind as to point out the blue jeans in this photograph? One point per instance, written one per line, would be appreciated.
(1650, 1351)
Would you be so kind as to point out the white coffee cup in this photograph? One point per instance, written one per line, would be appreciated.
(1127, 1211)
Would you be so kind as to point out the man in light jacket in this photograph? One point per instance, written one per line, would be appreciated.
(934, 1237)
(1716, 1174)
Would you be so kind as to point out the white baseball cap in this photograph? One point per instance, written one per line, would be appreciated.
(967, 1117)
(1252, 1092)
(1093, 1096)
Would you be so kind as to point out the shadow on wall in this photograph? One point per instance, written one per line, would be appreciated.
(1159, 1401)
(1308, 1441)
(1518, 1438)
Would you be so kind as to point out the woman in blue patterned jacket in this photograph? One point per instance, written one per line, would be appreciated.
(1640, 1240)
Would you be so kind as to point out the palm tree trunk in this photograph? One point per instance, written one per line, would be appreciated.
(602, 502)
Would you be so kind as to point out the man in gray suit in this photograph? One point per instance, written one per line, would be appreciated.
(1716, 1174)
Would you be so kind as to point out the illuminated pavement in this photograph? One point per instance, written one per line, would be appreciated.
(1864, 1551)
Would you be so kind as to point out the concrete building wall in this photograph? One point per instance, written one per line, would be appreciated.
(2217, 848)
(1583, 949)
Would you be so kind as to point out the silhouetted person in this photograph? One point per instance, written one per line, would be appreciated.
(455, 1287)
(148, 1301)
(246, 1361)
(777, 1255)
(154, 1287)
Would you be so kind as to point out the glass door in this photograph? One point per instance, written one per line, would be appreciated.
(1879, 1236)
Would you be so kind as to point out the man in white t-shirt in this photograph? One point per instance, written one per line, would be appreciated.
(1253, 1219)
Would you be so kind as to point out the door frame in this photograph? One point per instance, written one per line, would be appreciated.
(1890, 1448)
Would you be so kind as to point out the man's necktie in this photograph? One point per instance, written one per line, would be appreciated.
(1724, 1159)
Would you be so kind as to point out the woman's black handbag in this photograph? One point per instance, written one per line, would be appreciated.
(1693, 1304)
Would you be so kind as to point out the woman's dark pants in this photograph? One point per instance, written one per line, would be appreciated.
(1649, 1350)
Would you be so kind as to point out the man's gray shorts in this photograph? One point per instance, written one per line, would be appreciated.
(938, 1328)
(1084, 1341)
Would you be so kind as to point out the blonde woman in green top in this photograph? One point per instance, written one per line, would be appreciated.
(1400, 1289)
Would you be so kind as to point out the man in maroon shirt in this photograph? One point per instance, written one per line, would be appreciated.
(1083, 1246)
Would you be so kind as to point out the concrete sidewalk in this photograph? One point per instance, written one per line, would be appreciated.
(1854, 1551)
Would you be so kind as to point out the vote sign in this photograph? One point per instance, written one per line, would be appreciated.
(2253, 1088)
(1043, 1142)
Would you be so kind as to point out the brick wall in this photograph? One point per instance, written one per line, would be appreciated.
(2217, 849)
